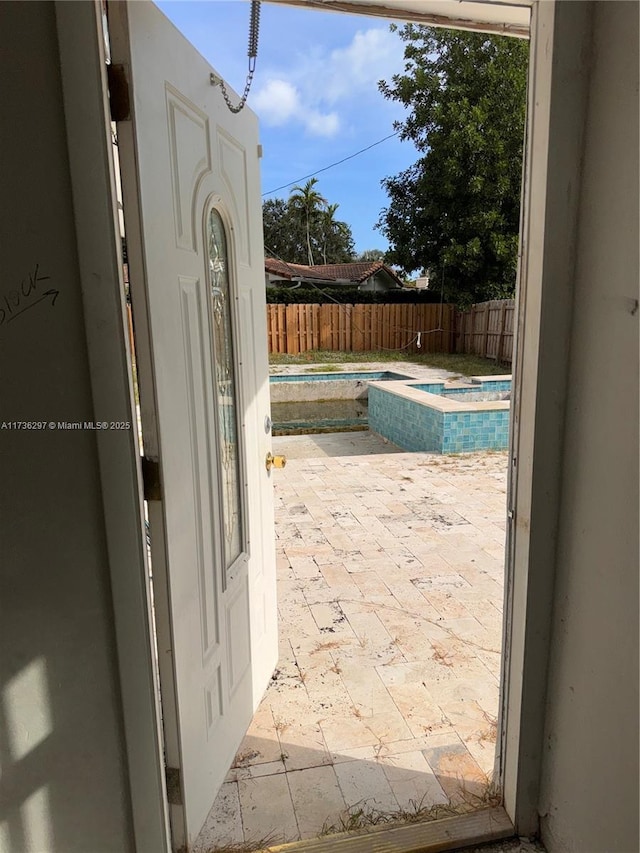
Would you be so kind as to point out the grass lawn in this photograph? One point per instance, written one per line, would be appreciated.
(464, 365)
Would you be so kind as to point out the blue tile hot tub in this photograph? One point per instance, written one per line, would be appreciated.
(440, 417)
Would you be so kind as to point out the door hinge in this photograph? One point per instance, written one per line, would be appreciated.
(174, 786)
(152, 485)
(119, 101)
(259, 152)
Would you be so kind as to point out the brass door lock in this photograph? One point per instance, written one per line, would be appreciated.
(275, 461)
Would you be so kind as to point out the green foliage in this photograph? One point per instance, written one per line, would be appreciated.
(304, 230)
(345, 295)
(457, 208)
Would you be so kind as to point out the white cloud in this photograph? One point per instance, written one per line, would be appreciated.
(279, 102)
(318, 84)
(372, 55)
(321, 124)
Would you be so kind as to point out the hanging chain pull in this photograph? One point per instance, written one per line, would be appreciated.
(254, 29)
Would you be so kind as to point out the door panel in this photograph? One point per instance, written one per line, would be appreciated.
(190, 160)
(204, 396)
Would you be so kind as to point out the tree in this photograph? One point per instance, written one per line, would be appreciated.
(284, 233)
(335, 240)
(455, 212)
(371, 255)
(303, 229)
(311, 204)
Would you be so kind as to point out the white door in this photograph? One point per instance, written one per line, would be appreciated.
(194, 238)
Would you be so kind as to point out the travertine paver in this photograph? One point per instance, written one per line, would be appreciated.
(390, 595)
(224, 823)
(266, 809)
(315, 793)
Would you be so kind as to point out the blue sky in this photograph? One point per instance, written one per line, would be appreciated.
(315, 91)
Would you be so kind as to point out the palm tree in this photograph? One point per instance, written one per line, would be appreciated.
(309, 201)
(328, 226)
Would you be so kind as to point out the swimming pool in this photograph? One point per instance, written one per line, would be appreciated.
(315, 416)
(340, 385)
(440, 417)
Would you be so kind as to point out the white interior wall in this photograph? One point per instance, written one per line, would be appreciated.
(589, 801)
(64, 786)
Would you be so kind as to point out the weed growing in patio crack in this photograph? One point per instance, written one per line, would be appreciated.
(379, 748)
(360, 818)
(246, 757)
(489, 735)
(323, 647)
(254, 846)
(280, 725)
(440, 655)
(421, 617)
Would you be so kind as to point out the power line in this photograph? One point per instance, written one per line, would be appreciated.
(337, 163)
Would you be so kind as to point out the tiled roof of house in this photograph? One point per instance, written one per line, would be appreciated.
(355, 273)
(286, 270)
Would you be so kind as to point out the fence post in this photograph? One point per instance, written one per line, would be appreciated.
(450, 327)
(315, 313)
(293, 343)
(357, 328)
(345, 337)
(485, 331)
(282, 328)
(325, 327)
(503, 320)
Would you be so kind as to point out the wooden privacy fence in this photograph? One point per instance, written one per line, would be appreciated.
(486, 329)
(293, 329)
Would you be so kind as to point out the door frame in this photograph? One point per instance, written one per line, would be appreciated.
(552, 173)
(544, 305)
(92, 173)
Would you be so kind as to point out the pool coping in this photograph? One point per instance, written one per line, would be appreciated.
(317, 387)
(332, 376)
(408, 391)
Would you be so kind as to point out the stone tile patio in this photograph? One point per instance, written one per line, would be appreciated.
(390, 575)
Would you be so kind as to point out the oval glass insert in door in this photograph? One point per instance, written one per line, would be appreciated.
(226, 390)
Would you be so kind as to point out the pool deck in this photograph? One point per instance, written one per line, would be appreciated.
(417, 371)
(390, 577)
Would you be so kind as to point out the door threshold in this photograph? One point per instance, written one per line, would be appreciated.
(449, 833)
